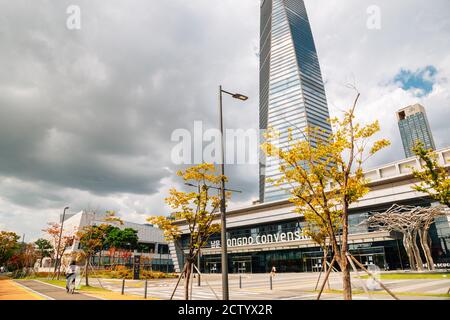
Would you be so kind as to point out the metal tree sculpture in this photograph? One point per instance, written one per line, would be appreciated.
(410, 221)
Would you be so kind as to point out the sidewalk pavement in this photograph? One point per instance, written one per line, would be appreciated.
(10, 290)
(53, 292)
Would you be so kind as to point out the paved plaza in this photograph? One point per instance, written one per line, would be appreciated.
(286, 286)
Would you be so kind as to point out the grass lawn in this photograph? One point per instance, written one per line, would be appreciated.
(410, 294)
(62, 283)
(411, 276)
(99, 292)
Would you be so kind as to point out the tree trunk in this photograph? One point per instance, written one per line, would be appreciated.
(346, 280)
(60, 260)
(409, 252)
(324, 263)
(187, 280)
(86, 271)
(343, 262)
(416, 251)
(423, 236)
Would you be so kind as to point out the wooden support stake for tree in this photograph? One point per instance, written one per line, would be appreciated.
(95, 274)
(326, 277)
(374, 278)
(318, 279)
(207, 283)
(178, 282)
(357, 274)
(334, 269)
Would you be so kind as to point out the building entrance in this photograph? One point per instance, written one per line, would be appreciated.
(371, 256)
(242, 265)
(212, 267)
(313, 261)
(313, 264)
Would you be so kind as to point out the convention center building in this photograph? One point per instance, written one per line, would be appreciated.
(266, 235)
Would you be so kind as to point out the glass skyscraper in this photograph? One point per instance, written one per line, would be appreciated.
(292, 93)
(414, 127)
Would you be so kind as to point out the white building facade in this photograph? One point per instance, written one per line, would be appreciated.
(152, 247)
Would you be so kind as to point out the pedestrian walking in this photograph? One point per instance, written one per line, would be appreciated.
(273, 271)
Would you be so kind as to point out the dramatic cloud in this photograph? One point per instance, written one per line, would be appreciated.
(86, 115)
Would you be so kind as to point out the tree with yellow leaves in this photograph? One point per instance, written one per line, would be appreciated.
(434, 178)
(325, 173)
(198, 209)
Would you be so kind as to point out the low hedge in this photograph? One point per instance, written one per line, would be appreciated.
(119, 272)
(128, 274)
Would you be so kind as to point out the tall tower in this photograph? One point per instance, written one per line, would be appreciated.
(292, 93)
(414, 127)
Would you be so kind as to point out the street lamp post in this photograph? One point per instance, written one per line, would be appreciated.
(225, 291)
(57, 262)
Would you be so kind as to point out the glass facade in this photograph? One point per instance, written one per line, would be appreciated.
(388, 254)
(415, 127)
(158, 261)
(292, 93)
(440, 236)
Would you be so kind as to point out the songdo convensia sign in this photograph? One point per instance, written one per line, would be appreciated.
(262, 239)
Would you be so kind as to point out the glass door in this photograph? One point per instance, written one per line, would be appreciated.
(212, 267)
(242, 265)
(312, 264)
(317, 264)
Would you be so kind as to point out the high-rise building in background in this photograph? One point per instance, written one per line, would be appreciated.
(292, 93)
(414, 127)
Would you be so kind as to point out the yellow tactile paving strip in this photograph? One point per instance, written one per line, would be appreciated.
(9, 290)
(110, 295)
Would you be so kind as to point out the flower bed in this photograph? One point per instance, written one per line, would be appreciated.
(124, 273)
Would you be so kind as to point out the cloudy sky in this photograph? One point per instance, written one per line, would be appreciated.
(86, 115)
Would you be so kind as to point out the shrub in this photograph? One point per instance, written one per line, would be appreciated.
(43, 274)
(124, 273)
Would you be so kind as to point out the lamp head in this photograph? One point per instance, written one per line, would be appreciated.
(240, 96)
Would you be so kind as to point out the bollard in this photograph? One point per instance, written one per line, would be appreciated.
(123, 286)
(270, 282)
(240, 282)
(145, 290)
